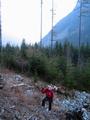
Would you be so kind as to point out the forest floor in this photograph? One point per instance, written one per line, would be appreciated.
(20, 99)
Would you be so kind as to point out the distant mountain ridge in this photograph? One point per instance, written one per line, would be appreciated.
(68, 27)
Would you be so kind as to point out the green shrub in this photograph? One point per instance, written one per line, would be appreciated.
(53, 73)
(37, 65)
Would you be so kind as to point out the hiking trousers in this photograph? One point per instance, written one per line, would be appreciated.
(50, 100)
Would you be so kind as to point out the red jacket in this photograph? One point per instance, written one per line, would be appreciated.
(49, 93)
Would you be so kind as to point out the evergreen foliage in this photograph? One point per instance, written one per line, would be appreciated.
(60, 66)
(23, 49)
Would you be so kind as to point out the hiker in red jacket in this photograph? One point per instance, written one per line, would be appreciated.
(49, 96)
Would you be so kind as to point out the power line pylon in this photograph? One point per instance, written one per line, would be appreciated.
(41, 24)
(80, 20)
(0, 29)
(0, 40)
(82, 14)
(52, 31)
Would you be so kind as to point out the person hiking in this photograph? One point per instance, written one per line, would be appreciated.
(49, 96)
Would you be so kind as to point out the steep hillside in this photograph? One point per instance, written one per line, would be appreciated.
(68, 27)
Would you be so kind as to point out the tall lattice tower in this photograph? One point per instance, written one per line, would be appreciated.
(0, 40)
(0, 30)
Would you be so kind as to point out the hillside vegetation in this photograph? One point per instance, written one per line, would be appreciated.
(64, 64)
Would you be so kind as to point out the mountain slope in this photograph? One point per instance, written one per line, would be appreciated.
(68, 27)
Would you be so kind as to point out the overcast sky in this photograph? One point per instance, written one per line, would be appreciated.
(21, 18)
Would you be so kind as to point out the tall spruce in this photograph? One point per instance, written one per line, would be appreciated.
(23, 49)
